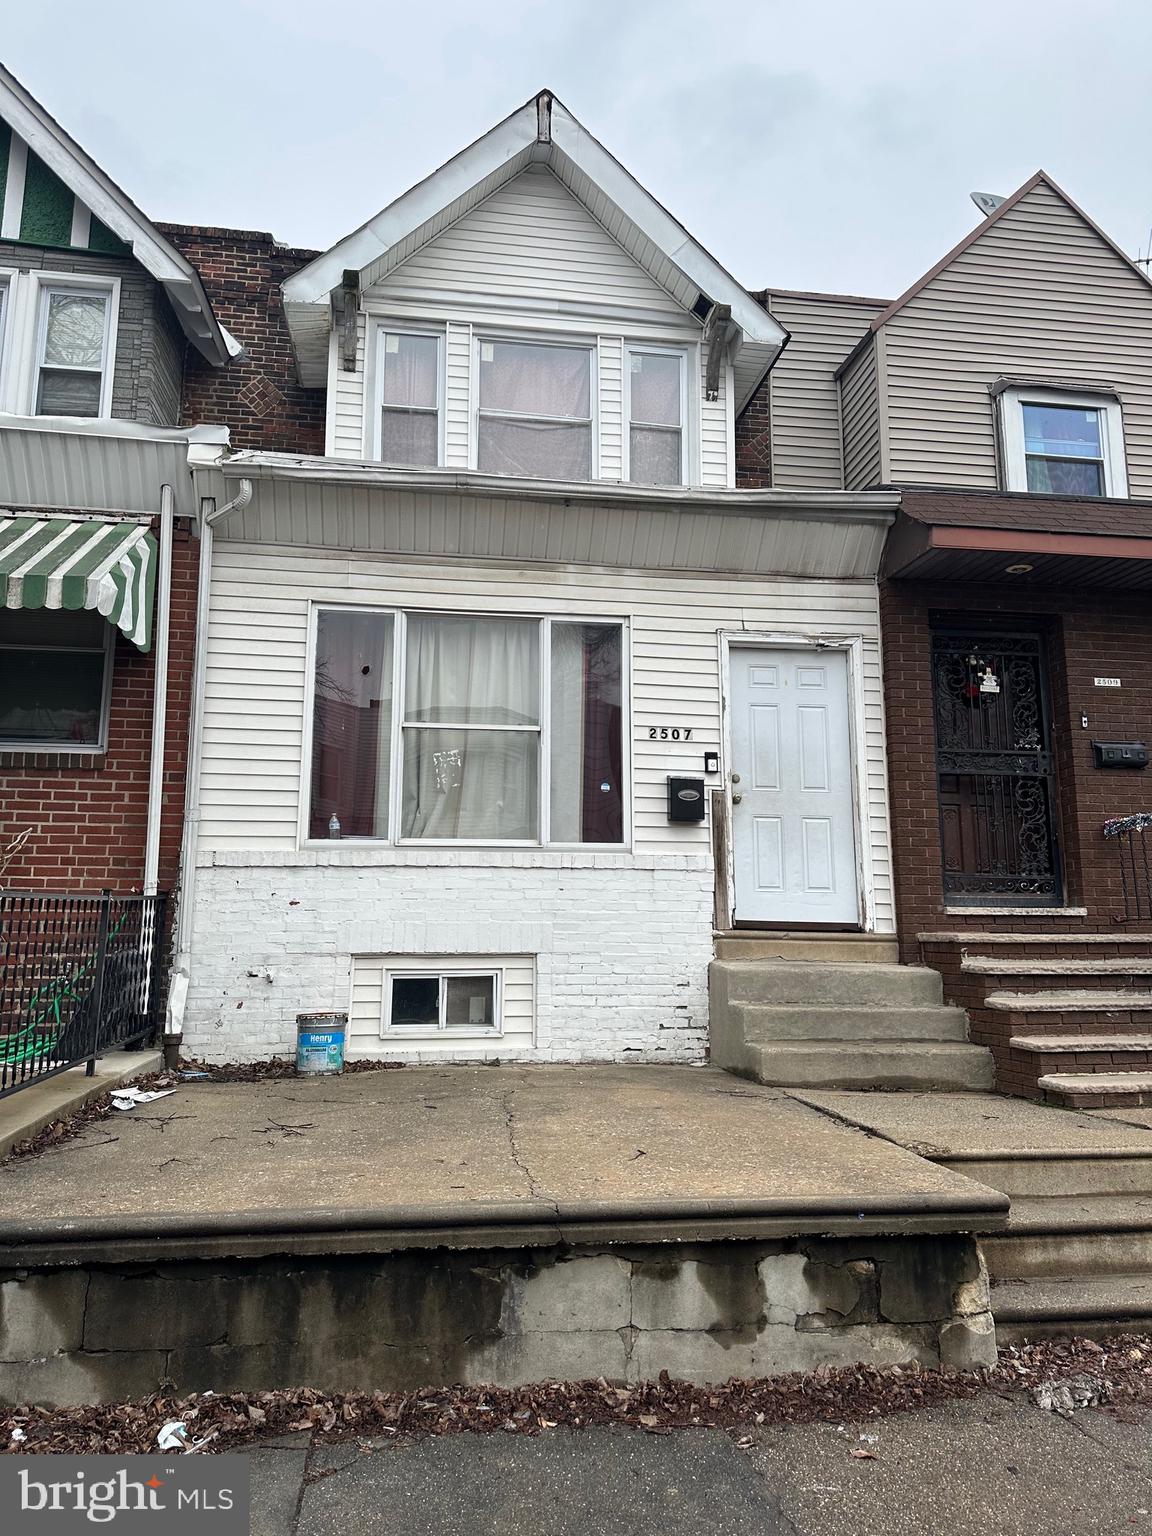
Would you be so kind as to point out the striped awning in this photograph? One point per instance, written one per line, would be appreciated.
(81, 562)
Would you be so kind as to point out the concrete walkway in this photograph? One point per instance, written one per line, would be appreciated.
(25, 1114)
(462, 1147)
(989, 1466)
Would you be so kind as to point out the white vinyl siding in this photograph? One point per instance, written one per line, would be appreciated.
(805, 401)
(369, 995)
(255, 706)
(860, 420)
(1040, 295)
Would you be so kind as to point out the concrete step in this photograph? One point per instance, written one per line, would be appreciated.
(762, 1023)
(1007, 965)
(810, 983)
(838, 948)
(1073, 1000)
(1097, 1305)
(926, 1065)
(1063, 940)
(1062, 1235)
(1097, 1090)
(1080, 1044)
(1060, 1174)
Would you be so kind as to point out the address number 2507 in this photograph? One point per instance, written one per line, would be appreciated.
(669, 733)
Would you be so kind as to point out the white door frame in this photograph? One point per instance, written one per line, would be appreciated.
(796, 640)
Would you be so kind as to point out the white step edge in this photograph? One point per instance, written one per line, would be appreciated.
(1033, 912)
(985, 965)
(1081, 1042)
(957, 936)
(1098, 1082)
(1100, 1000)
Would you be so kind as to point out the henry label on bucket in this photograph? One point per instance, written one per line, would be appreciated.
(320, 1042)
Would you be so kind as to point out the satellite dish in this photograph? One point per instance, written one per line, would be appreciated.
(987, 202)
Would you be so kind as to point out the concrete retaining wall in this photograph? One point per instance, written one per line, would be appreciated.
(704, 1312)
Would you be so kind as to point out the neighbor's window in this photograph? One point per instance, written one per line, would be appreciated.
(455, 1002)
(463, 730)
(54, 672)
(410, 399)
(535, 410)
(656, 417)
(1063, 445)
(72, 351)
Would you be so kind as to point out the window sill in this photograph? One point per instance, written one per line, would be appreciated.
(53, 757)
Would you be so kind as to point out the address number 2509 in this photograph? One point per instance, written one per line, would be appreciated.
(669, 733)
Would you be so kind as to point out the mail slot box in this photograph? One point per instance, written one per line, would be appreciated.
(685, 799)
(1120, 754)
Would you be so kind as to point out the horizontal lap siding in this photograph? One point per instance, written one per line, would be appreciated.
(805, 400)
(860, 417)
(1039, 294)
(257, 686)
(348, 437)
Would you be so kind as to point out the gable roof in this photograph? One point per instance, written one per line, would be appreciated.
(973, 235)
(541, 132)
(102, 197)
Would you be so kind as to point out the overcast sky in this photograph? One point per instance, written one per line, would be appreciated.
(825, 144)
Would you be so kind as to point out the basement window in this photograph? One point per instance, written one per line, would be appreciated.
(1060, 444)
(441, 1002)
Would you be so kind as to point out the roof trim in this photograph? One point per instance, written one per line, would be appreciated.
(1041, 177)
(99, 193)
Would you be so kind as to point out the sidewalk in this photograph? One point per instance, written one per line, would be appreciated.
(991, 1466)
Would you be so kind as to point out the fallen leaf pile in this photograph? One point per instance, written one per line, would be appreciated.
(1123, 1368)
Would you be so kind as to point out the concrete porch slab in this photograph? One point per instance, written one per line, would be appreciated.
(26, 1113)
(472, 1157)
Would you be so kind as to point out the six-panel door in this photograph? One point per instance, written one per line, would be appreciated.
(793, 827)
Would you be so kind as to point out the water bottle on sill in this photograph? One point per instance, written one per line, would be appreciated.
(333, 825)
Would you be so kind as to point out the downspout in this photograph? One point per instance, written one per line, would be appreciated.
(159, 696)
(210, 516)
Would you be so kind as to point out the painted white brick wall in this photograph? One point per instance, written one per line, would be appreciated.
(622, 967)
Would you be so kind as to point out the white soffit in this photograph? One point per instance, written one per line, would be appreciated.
(98, 193)
(545, 132)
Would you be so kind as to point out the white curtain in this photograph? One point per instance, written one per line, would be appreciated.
(476, 783)
(567, 748)
(530, 380)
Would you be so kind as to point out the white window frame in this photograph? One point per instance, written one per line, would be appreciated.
(73, 748)
(574, 343)
(632, 348)
(399, 617)
(441, 972)
(383, 328)
(1011, 404)
(44, 284)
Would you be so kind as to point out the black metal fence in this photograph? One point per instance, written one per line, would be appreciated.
(1133, 838)
(79, 975)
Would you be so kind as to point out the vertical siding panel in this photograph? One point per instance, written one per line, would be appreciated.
(860, 417)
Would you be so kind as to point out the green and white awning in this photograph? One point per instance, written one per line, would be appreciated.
(62, 562)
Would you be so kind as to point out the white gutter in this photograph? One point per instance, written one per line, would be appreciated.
(159, 694)
(211, 515)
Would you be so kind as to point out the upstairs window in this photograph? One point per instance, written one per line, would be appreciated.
(534, 413)
(1059, 444)
(72, 373)
(655, 382)
(409, 368)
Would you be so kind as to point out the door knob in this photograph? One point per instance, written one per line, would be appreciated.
(735, 778)
(736, 799)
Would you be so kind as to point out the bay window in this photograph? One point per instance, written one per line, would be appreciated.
(409, 372)
(453, 728)
(655, 383)
(72, 357)
(1058, 443)
(534, 410)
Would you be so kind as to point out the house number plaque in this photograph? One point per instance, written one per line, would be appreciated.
(669, 733)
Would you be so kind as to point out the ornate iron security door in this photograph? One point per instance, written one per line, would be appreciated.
(994, 769)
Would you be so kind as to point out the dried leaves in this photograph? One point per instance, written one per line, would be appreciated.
(827, 1394)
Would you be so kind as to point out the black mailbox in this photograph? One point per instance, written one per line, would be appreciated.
(1120, 754)
(685, 799)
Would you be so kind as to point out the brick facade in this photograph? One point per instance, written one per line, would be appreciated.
(754, 440)
(89, 821)
(257, 396)
(1089, 635)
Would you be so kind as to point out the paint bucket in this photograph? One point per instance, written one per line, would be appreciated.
(320, 1043)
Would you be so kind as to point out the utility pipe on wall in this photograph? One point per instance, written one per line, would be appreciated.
(159, 694)
(210, 517)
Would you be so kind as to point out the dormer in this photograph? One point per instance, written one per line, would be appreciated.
(530, 311)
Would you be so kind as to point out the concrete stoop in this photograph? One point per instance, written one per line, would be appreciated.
(840, 1023)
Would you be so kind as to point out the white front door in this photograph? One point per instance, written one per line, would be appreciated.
(793, 828)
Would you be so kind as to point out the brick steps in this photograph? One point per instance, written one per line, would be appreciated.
(1097, 1090)
(1110, 965)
